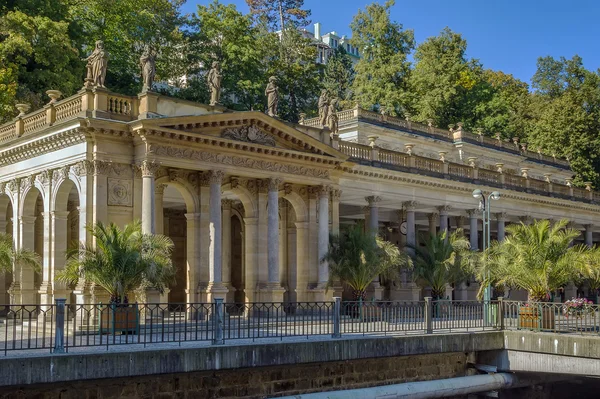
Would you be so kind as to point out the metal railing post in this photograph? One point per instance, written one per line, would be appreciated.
(428, 315)
(218, 322)
(59, 335)
(337, 308)
(500, 313)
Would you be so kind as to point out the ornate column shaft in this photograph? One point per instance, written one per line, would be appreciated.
(192, 256)
(26, 278)
(473, 229)
(373, 213)
(273, 232)
(323, 246)
(148, 169)
(443, 210)
(589, 240)
(433, 219)
(215, 265)
(501, 222)
(411, 231)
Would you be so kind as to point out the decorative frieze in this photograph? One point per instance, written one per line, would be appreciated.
(240, 162)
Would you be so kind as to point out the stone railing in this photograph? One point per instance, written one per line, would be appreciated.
(356, 114)
(380, 157)
(86, 103)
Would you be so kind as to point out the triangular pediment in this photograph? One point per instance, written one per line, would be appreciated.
(254, 128)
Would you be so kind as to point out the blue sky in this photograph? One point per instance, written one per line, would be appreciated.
(506, 35)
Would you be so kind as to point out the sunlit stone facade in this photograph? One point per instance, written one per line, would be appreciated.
(250, 200)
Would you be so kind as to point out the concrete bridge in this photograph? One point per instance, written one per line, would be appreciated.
(295, 366)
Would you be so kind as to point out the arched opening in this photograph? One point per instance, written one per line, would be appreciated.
(66, 235)
(32, 237)
(172, 222)
(6, 226)
(237, 261)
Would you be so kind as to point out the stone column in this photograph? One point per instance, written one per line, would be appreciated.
(433, 219)
(374, 229)
(26, 279)
(589, 241)
(148, 169)
(226, 259)
(45, 289)
(215, 271)
(443, 211)
(192, 257)
(273, 232)
(501, 222)
(323, 246)
(373, 213)
(411, 231)
(274, 291)
(474, 228)
(159, 218)
(59, 244)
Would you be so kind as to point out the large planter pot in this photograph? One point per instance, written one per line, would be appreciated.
(122, 319)
(536, 317)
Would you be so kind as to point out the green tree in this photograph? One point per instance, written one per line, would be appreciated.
(338, 77)
(382, 72)
(357, 257)
(566, 105)
(36, 54)
(441, 79)
(11, 257)
(221, 33)
(537, 258)
(280, 14)
(444, 259)
(122, 260)
(126, 26)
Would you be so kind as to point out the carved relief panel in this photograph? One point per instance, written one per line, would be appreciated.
(120, 192)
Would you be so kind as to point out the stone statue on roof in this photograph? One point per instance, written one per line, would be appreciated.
(148, 65)
(97, 64)
(214, 83)
(332, 118)
(323, 107)
(272, 93)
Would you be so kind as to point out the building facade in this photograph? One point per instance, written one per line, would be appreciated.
(328, 42)
(250, 200)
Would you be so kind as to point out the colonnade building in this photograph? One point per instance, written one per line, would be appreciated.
(250, 200)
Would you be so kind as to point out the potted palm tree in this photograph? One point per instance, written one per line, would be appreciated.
(444, 259)
(538, 258)
(10, 257)
(121, 261)
(357, 257)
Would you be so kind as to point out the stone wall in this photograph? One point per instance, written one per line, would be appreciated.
(257, 382)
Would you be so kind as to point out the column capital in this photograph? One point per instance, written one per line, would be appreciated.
(160, 189)
(323, 191)
(373, 200)
(336, 193)
(148, 168)
(474, 213)
(27, 219)
(409, 205)
(525, 219)
(273, 183)
(433, 216)
(501, 216)
(443, 210)
(215, 176)
(226, 203)
(588, 227)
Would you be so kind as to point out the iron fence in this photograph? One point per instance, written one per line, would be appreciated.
(68, 327)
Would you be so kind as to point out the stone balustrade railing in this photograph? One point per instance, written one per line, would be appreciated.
(428, 166)
(357, 114)
(87, 102)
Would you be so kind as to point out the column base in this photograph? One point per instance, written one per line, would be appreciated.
(321, 293)
(375, 292)
(271, 292)
(461, 293)
(216, 291)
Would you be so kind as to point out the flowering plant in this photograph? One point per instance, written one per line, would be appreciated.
(577, 307)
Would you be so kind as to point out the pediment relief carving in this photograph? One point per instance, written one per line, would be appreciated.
(249, 134)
